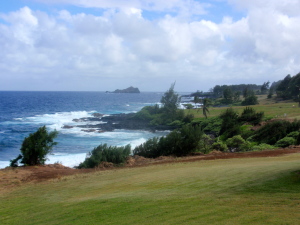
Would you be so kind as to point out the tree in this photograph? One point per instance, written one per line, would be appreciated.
(250, 100)
(271, 92)
(246, 92)
(170, 102)
(205, 105)
(228, 95)
(236, 96)
(264, 88)
(35, 147)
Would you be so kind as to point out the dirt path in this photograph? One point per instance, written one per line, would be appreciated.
(10, 177)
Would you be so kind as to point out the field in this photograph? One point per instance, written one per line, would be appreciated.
(272, 108)
(255, 190)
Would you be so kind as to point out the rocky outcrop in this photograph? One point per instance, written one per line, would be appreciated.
(116, 121)
(127, 90)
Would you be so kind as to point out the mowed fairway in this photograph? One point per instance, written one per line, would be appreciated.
(228, 191)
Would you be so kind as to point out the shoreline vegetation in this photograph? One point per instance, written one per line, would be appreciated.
(239, 127)
(236, 164)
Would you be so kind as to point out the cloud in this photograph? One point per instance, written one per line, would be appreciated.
(69, 51)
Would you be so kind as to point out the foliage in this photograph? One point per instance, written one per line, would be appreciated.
(249, 115)
(36, 147)
(294, 134)
(245, 131)
(14, 162)
(188, 118)
(230, 123)
(205, 104)
(104, 153)
(205, 144)
(178, 142)
(148, 149)
(275, 130)
(170, 102)
(236, 96)
(271, 92)
(237, 143)
(220, 145)
(289, 88)
(227, 95)
(262, 147)
(264, 88)
(250, 100)
(210, 125)
(188, 106)
(285, 142)
(218, 89)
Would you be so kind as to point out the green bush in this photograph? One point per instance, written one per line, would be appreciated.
(205, 144)
(36, 147)
(246, 131)
(249, 115)
(230, 124)
(209, 125)
(285, 142)
(188, 118)
(294, 134)
(178, 142)
(104, 153)
(263, 146)
(176, 123)
(220, 146)
(251, 100)
(237, 143)
(149, 149)
(275, 130)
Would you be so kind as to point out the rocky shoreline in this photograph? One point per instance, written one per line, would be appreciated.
(108, 123)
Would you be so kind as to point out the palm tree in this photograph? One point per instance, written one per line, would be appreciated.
(205, 105)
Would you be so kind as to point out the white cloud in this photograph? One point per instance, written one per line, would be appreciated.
(68, 51)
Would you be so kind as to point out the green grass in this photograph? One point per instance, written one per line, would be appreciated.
(271, 108)
(233, 191)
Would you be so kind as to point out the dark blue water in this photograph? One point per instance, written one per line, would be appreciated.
(22, 113)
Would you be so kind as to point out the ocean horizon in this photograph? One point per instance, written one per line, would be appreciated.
(23, 112)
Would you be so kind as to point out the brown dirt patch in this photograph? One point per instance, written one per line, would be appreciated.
(11, 177)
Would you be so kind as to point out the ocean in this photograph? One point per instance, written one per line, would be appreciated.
(22, 113)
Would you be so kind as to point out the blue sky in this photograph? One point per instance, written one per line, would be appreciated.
(101, 45)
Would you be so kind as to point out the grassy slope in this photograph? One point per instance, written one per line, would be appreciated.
(282, 109)
(234, 191)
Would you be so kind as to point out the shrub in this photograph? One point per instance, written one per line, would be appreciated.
(251, 100)
(246, 131)
(176, 123)
(179, 142)
(149, 149)
(205, 144)
(237, 143)
(285, 142)
(188, 118)
(220, 145)
(36, 147)
(249, 115)
(104, 153)
(230, 124)
(294, 134)
(263, 146)
(274, 131)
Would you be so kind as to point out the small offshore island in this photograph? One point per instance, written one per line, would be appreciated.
(127, 90)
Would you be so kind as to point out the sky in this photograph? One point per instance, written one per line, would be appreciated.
(103, 45)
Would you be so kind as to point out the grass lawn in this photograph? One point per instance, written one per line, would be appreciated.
(233, 191)
(271, 108)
